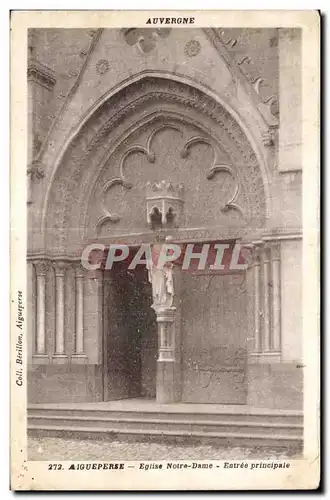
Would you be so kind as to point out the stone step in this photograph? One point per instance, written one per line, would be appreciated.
(270, 417)
(206, 426)
(275, 440)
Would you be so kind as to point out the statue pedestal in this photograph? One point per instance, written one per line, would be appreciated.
(168, 384)
(165, 388)
(166, 363)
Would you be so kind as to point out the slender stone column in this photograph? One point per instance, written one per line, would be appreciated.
(256, 290)
(164, 281)
(165, 320)
(79, 354)
(60, 355)
(265, 299)
(29, 186)
(166, 355)
(41, 270)
(276, 297)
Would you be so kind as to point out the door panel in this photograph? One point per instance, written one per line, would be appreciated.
(214, 339)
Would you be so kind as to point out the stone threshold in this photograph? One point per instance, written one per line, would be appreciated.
(147, 405)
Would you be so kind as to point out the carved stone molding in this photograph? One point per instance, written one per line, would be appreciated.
(70, 74)
(227, 46)
(144, 38)
(275, 250)
(79, 270)
(122, 181)
(249, 70)
(192, 48)
(268, 138)
(190, 98)
(35, 170)
(229, 203)
(217, 168)
(256, 252)
(107, 215)
(163, 205)
(41, 267)
(165, 199)
(102, 66)
(147, 150)
(41, 74)
(60, 267)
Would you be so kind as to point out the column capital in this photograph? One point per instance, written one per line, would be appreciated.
(79, 270)
(275, 250)
(35, 170)
(256, 247)
(95, 275)
(41, 267)
(60, 267)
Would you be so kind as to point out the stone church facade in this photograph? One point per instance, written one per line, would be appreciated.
(203, 122)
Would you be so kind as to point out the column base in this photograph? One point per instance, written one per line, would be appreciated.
(166, 388)
(60, 359)
(79, 359)
(40, 359)
(264, 357)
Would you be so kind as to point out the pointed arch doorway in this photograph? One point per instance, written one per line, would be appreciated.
(193, 140)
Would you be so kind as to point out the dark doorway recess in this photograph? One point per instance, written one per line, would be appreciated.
(130, 334)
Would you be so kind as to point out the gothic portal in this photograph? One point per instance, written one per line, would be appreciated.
(129, 145)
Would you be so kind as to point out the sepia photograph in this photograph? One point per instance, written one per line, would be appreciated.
(161, 324)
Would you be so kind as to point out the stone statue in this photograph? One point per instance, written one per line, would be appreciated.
(161, 279)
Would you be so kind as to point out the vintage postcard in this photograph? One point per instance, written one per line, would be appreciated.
(164, 250)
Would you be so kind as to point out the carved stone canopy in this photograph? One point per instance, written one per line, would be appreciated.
(164, 204)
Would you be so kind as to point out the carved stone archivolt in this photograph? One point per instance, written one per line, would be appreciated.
(129, 110)
(122, 98)
(41, 74)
